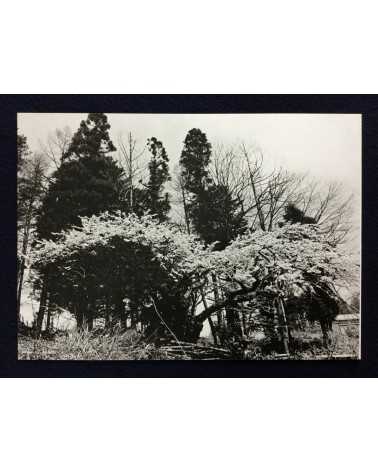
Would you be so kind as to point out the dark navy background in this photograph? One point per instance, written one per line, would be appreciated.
(10, 105)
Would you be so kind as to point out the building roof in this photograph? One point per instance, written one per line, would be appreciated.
(348, 317)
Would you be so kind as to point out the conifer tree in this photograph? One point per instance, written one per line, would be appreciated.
(295, 215)
(22, 150)
(156, 201)
(87, 183)
(194, 161)
(213, 212)
(83, 187)
(215, 216)
(91, 139)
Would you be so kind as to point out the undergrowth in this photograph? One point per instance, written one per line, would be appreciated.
(117, 345)
(84, 345)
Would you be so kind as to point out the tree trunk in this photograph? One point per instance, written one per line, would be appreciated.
(80, 313)
(89, 321)
(211, 324)
(133, 310)
(244, 324)
(120, 312)
(42, 307)
(25, 243)
(326, 328)
(217, 298)
(19, 289)
(213, 331)
(186, 213)
(80, 320)
(89, 316)
(283, 325)
(107, 313)
(49, 312)
(123, 319)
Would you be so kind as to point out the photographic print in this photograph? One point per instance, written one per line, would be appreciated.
(188, 236)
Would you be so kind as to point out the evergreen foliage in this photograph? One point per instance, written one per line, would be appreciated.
(85, 186)
(22, 150)
(80, 187)
(194, 161)
(215, 215)
(295, 215)
(156, 201)
(87, 182)
(91, 139)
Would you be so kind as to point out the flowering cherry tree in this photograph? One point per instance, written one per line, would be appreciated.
(115, 259)
(292, 266)
(161, 270)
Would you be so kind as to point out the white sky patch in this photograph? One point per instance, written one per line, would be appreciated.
(325, 145)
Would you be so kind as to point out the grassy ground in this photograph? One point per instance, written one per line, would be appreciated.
(308, 345)
(344, 341)
(127, 346)
(87, 346)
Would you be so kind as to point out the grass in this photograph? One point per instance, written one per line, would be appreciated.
(86, 345)
(308, 345)
(344, 341)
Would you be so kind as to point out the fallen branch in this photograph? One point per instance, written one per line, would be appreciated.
(168, 328)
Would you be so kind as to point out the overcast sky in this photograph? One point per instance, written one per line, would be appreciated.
(327, 146)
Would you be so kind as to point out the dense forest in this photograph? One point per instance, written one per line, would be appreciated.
(146, 257)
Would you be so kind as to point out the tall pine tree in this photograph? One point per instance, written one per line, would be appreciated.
(194, 161)
(213, 212)
(91, 139)
(156, 201)
(88, 182)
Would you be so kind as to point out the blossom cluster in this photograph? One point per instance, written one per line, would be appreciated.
(288, 261)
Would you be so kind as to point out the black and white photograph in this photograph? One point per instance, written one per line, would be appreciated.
(188, 236)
